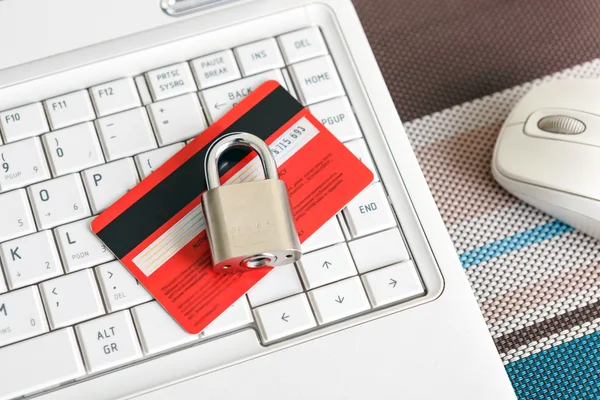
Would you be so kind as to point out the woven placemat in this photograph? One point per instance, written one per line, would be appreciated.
(537, 281)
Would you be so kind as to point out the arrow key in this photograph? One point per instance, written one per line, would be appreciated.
(338, 300)
(327, 265)
(284, 318)
(398, 282)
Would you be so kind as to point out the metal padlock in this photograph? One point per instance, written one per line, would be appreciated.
(248, 224)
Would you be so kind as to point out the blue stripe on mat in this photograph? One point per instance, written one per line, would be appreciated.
(516, 242)
(568, 371)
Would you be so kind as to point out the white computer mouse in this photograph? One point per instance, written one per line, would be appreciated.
(548, 152)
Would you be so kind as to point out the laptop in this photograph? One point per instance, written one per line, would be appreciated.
(399, 321)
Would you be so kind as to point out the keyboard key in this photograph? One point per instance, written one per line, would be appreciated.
(108, 341)
(218, 100)
(259, 56)
(39, 363)
(73, 149)
(79, 247)
(378, 250)
(337, 116)
(3, 287)
(115, 96)
(21, 316)
(397, 282)
(119, 288)
(279, 283)
(23, 122)
(317, 80)
(157, 330)
(330, 233)
(69, 109)
(170, 81)
(15, 215)
(125, 134)
(149, 161)
(236, 316)
(284, 318)
(106, 183)
(302, 45)
(215, 69)
(369, 212)
(177, 119)
(23, 163)
(338, 300)
(58, 201)
(30, 259)
(360, 150)
(326, 265)
(71, 299)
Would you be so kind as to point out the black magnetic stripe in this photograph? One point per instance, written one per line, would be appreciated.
(176, 191)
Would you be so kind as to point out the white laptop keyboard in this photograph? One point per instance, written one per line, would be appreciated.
(70, 310)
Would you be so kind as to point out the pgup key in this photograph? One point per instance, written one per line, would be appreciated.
(249, 224)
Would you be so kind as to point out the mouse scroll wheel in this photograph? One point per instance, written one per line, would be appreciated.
(561, 124)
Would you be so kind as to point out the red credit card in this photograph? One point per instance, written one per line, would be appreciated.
(157, 228)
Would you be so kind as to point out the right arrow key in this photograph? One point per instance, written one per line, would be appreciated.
(398, 282)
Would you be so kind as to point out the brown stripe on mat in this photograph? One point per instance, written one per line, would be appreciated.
(548, 327)
(436, 54)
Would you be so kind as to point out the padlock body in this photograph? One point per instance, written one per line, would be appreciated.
(250, 221)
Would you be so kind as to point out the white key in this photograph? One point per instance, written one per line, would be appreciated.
(23, 122)
(119, 288)
(158, 331)
(71, 299)
(330, 233)
(177, 119)
(115, 96)
(285, 317)
(30, 259)
(359, 149)
(79, 247)
(106, 183)
(3, 287)
(259, 56)
(58, 201)
(21, 316)
(397, 282)
(69, 109)
(317, 80)
(326, 265)
(279, 283)
(15, 215)
(302, 45)
(337, 116)
(170, 81)
(51, 359)
(378, 250)
(236, 316)
(369, 212)
(339, 300)
(73, 149)
(215, 69)
(108, 341)
(22, 163)
(149, 161)
(142, 87)
(218, 100)
(125, 134)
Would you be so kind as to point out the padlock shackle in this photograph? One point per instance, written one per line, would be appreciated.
(237, 139)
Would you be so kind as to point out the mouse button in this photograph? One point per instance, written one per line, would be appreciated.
(556, 165)
(564, 125)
